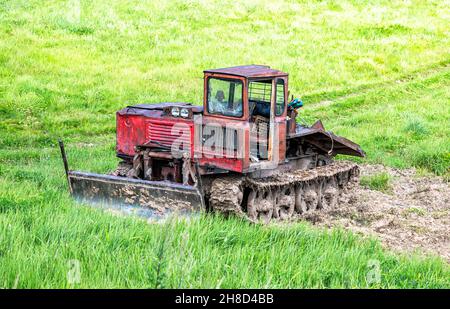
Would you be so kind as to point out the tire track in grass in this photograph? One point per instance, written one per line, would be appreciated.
(332, 98)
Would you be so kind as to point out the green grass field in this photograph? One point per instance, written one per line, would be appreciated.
(376, 72)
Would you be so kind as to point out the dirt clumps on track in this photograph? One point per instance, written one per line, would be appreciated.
(413, 215)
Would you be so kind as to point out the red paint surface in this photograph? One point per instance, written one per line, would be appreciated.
(135, 130)
(229, 164)
(138, 129)
(130, 132)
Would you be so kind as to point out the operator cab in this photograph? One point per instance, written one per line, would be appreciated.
(255, 94)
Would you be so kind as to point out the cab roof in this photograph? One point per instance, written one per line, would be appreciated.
(249, 71)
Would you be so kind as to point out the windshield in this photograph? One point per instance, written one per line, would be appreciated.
(225, 97)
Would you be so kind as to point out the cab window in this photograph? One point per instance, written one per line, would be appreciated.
(279, 104)
(259, 96)
(225, 97)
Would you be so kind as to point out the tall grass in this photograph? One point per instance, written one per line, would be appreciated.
(379, 182)
(122, 252)
(64, 74)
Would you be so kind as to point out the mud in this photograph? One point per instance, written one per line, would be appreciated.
(413, 216)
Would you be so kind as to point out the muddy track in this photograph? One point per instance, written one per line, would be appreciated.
(414, 215)
(283, 196)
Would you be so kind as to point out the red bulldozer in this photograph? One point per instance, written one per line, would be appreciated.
(240, 153)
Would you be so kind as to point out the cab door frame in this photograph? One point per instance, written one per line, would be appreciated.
(280, 121)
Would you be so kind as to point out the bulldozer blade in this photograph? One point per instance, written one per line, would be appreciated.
(159, 196)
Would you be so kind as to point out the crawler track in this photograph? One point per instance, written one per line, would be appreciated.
(281, 197)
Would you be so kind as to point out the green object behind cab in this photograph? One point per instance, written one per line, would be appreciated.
(295, 103)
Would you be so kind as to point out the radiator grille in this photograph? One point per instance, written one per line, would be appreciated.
(166, 134)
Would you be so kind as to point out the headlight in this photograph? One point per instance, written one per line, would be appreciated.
(184, 113)
(175, 111)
